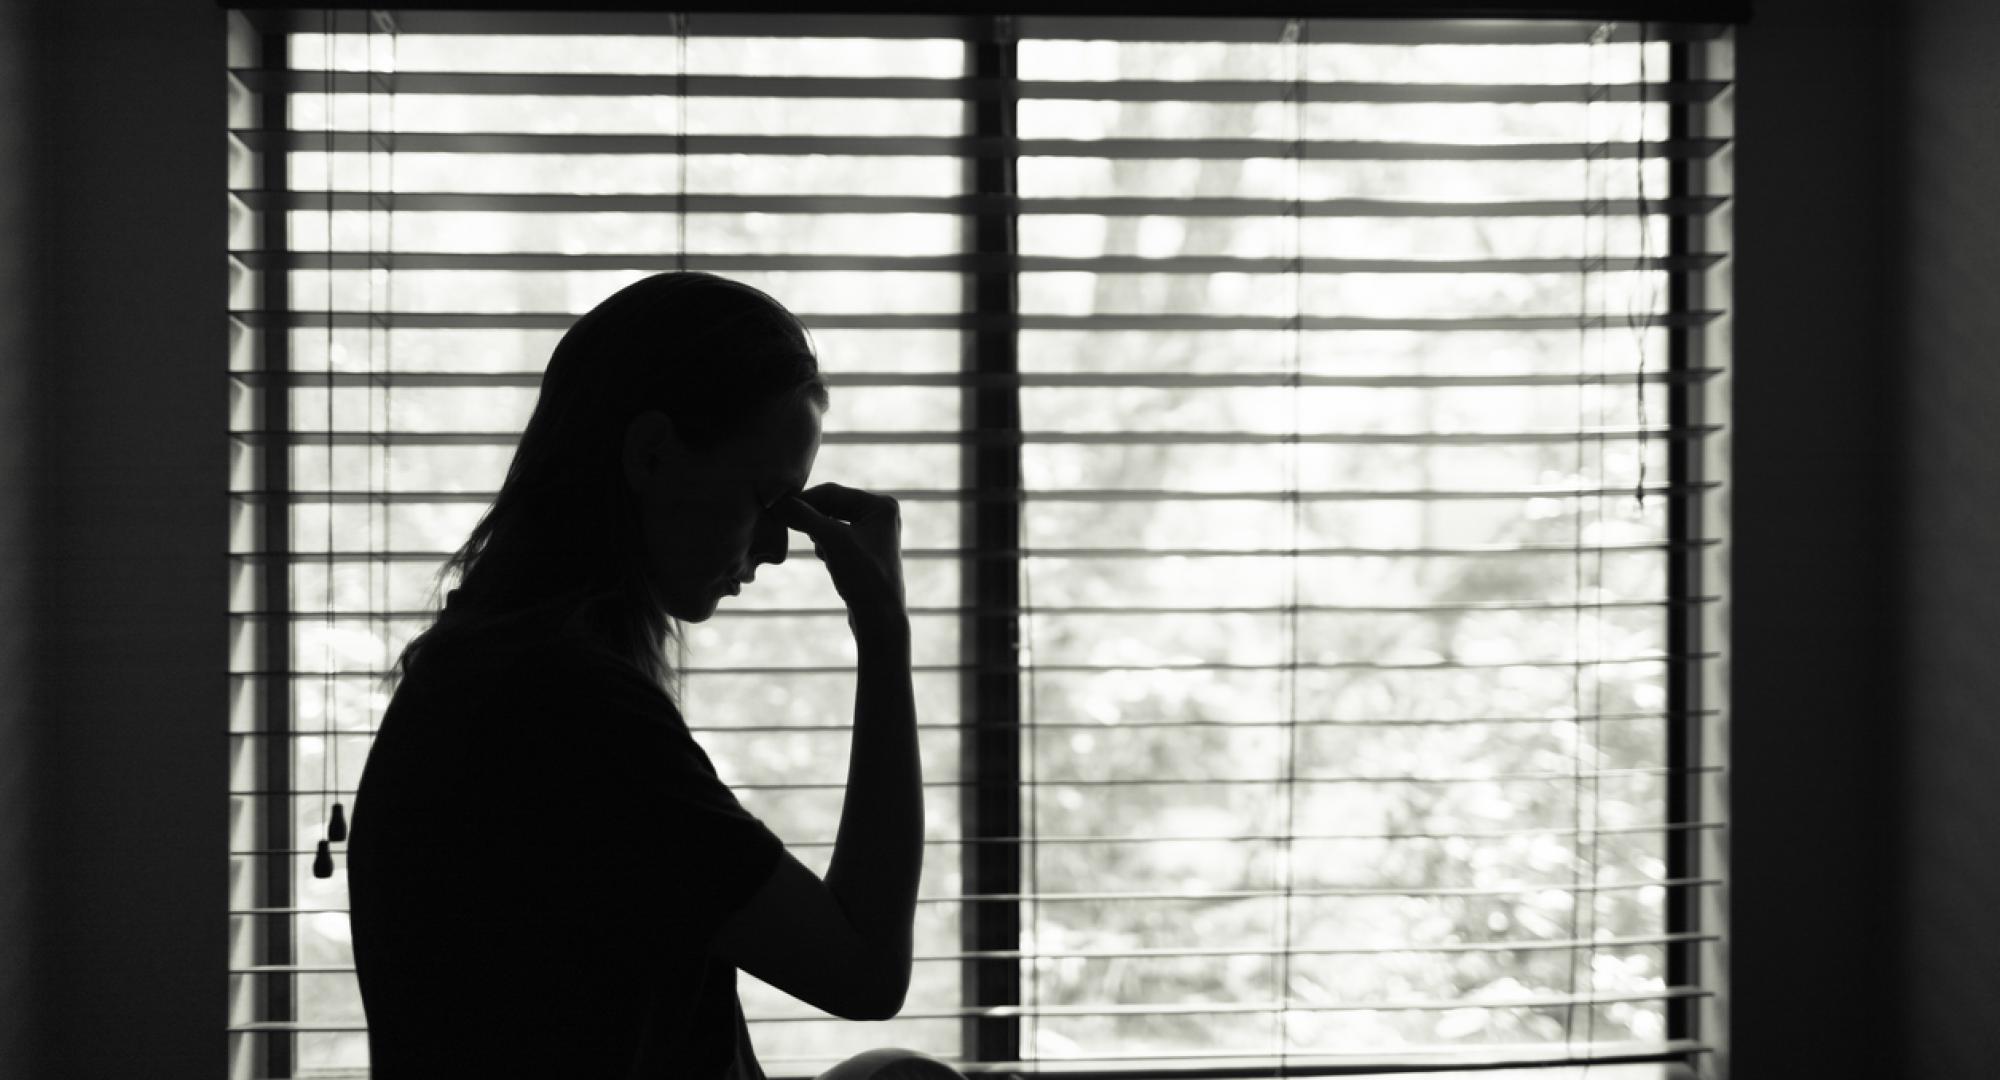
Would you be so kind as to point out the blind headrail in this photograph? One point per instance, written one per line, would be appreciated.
(1382, 22)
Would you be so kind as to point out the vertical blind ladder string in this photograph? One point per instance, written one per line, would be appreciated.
(1585, 913)
(1596, 94)
(1650, 275)
(379, 262)
(1295, 35)
(1584, 269)
(369, 384)
(371, 260)
(1003, 32)
(388, 359)
(677, 23)
(1639, 328)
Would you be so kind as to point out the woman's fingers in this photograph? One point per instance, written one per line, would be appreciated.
(796, 513)
(858, 535)
(846, 503)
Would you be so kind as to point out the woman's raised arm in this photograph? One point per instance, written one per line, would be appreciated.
(844, 944)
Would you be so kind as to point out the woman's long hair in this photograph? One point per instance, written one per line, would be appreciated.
(711, 353)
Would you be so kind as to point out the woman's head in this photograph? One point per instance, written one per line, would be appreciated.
(704, 513)
(671, 416)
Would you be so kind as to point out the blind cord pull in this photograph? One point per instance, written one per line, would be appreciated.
(336, 829)
(323, 858)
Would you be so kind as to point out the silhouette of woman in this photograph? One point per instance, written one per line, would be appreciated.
(547, 878)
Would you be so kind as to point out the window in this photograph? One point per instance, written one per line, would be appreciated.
(1310, 438)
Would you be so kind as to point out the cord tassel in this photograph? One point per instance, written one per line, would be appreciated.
(323, 862)
(336, 829)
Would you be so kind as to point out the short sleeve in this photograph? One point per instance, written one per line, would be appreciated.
(538, 866)
(633, 807)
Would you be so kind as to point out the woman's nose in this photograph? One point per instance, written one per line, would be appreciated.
(768, 542)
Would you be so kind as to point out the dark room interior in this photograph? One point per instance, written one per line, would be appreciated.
(1863, 838)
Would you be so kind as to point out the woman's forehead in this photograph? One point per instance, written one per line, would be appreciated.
(787, 442)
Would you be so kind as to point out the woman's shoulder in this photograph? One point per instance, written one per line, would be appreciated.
(533, 661)
(602, 672)
(520, 659)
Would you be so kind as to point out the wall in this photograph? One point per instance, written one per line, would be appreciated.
(118, 906)
(1947, 351)
(132, 525)
(1814, 794)
(18, 569)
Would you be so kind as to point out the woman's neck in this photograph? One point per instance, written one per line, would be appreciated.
(599, 621)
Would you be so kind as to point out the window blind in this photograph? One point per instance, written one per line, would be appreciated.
(1311, 439)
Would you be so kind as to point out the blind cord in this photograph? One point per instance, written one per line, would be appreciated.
(1646, 270)
(323, 857)
(378, 262)
(1638, 324)
(1584, 923)
(1295, 37)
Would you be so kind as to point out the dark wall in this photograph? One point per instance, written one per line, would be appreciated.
(1844, 530)
(1947, 365)
(131, 469)
(1814, 794)
(18, 566)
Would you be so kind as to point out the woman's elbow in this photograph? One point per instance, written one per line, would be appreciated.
(883, 996)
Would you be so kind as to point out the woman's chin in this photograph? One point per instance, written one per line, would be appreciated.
(697, 608)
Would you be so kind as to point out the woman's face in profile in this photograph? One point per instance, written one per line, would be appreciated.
(705, 517)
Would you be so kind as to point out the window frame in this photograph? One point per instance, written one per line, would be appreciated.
(990, 763)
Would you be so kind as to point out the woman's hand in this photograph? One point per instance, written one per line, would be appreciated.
(858, 535)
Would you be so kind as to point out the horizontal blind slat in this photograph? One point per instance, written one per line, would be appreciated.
(1201, 1009)
(1141, 611)
(1123, 27)
(1139, 723)
(962, 263)
(1193, 781)
(1204, 897)
(256, 318)
(309, 557)
(1144, 380)
(307, 437)
(1072, 495)
(961, 146)
(1116, 206)
(944, 843)
(1376, 29)
(703, 85)
(1518, 945)
(1031, 841)
(1292, 1006)
(1185, 666)
(1607, 1060)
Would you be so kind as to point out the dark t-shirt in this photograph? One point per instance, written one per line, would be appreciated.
(539, 857)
